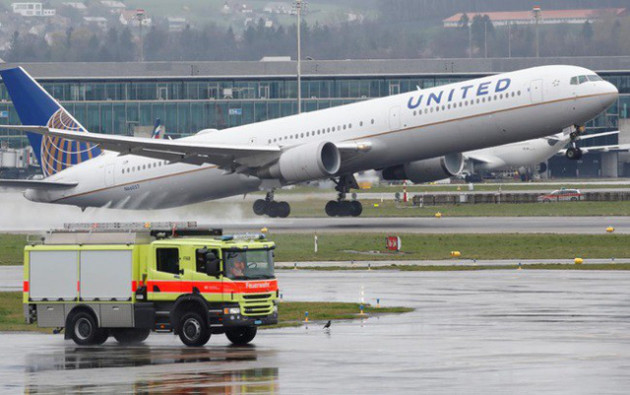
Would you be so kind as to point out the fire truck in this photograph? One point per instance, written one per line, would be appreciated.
(125, 282)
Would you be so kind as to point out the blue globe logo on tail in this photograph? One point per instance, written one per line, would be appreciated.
(58, 154)
(37, 107)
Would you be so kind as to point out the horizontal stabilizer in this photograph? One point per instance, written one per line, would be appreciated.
(22, 185)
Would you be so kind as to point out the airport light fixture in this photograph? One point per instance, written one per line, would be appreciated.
(140, 15)
(537, 15)
(299, 6)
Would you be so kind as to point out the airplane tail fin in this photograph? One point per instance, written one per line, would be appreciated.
(158, 130)
(35, 106)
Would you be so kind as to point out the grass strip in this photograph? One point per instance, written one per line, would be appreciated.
(371, 246)
(290, 313)
(298, 247)
(12, 249)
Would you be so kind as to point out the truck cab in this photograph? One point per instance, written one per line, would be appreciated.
(192, 285)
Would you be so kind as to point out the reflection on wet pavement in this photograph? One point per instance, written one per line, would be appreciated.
(248, 381)
(114, 356)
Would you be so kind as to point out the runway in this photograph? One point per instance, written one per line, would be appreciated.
(20, 215)
(552, 332)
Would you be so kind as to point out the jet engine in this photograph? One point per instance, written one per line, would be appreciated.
(305, 162)
(426, 170)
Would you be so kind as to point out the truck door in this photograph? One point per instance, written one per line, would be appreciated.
(164, 281)
(209, 286)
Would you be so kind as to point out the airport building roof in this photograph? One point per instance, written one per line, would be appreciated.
(310, 68)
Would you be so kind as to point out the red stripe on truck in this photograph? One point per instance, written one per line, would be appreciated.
(25, 286)
(214, 286)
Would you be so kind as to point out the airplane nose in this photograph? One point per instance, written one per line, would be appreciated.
(610, 88)
(611, 93)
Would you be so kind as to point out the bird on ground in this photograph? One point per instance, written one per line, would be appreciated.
(327, 326)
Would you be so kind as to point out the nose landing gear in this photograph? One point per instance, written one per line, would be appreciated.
(342, 207)
(270, 207)
(574, 152)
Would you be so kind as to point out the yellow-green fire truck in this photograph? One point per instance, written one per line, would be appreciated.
(126, 284)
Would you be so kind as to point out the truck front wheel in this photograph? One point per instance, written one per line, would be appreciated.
(130, 335)
(241, 335)
(85, 331)
(193, 330)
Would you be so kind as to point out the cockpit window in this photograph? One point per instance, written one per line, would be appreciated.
(585, 78)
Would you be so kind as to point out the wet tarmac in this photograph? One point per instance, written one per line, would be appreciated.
(471, 332)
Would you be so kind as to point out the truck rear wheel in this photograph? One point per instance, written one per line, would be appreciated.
(84, 330)
(130, 335)
(241, 335)
(193, 330)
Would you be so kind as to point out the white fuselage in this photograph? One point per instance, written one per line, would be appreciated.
(453, 118)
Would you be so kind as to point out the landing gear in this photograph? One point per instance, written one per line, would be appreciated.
(270, 207)
(573, 152)
(342, 207)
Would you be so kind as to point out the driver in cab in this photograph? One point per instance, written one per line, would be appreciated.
(238, 268)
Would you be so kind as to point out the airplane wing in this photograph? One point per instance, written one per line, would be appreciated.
(592, 136)
(600, 148)
(22, 185)
(193, 152)
(233, 157)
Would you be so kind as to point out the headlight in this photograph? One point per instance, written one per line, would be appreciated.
(275, 308)
(232, 310)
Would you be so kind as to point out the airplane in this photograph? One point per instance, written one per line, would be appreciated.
(418, 136)
(530, 153)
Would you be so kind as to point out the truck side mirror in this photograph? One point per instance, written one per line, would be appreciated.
(213, 265)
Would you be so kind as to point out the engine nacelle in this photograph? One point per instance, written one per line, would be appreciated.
(305, 162)
(427, 170)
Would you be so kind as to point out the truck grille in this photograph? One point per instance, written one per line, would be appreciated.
(257, 305)
(257, 296)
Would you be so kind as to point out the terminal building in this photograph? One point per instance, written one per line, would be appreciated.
(126, 98)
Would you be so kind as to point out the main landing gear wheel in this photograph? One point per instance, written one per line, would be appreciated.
(342, 207)
(270, 207)
(574, 153)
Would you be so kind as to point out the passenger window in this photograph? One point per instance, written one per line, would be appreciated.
(574, 80)
(167, 260)
(582, 79)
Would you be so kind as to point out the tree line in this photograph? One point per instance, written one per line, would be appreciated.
(475, 37)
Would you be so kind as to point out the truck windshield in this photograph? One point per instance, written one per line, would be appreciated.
(249, 264)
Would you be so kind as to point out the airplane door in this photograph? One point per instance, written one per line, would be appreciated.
(536, 91)
(109, 175)
(394, 118)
